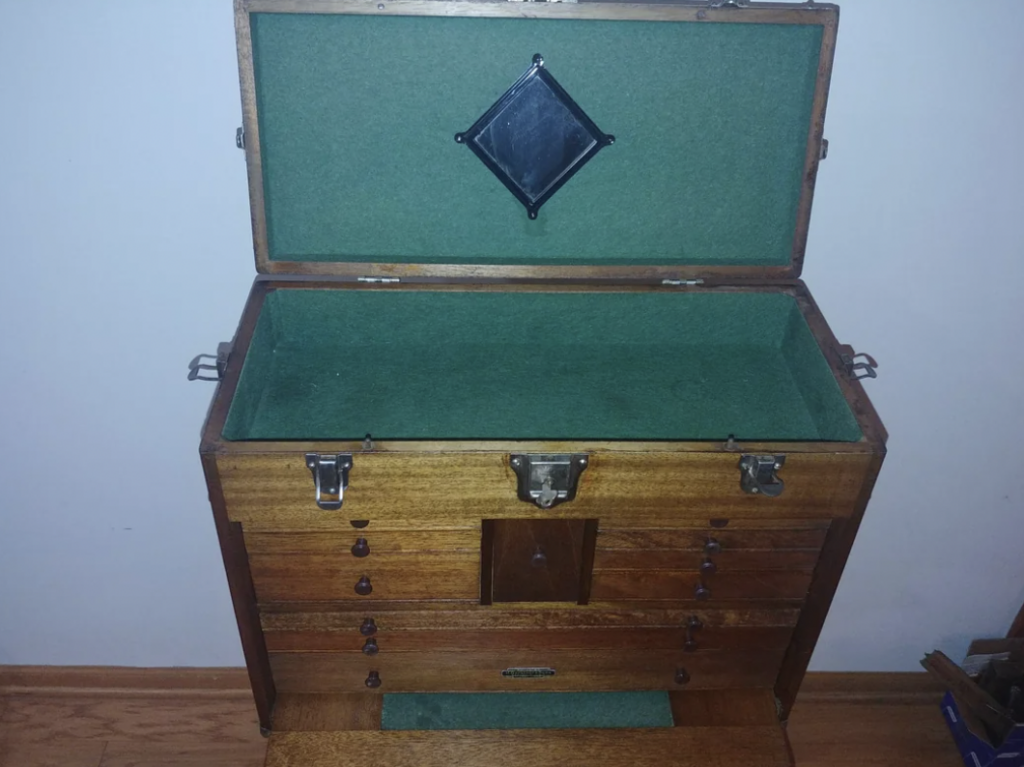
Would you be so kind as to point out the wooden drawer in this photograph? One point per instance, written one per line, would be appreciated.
(303, 618)
(728, 539)
(682, 585)
(482, 670)
(320, 577)
(377, 541)
(385, 642)
(671, 559)
(269, 491)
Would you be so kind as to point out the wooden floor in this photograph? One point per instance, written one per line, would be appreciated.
(157, 718)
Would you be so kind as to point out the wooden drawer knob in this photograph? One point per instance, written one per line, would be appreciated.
(682, 676)
(712, 546)
(369, 628)
(360, 523)
(373, 680)
(539, 558)
(702, 592)
(707, 567)
(361, 548)
(364, 587)
(370, 647)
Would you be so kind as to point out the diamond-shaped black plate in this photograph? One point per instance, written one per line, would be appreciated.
(535, 137)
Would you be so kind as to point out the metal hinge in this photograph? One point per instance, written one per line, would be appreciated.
(858, 370)
(682, 283)
(240, 138)
(378, 279)
(758, 477)
(824, 149)
(548, 480)
(219, 365)
(330, 477)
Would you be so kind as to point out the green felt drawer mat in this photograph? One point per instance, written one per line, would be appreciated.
(339, 364)
(525, 711)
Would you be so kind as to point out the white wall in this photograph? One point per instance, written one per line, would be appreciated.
(124, 244)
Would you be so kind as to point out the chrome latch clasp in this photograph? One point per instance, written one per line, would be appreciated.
(548, 480)
(758, 477)
(330, 477)
(218, 366)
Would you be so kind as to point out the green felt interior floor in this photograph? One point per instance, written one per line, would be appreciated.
(524, 711)
(357, 117)
(339, 364)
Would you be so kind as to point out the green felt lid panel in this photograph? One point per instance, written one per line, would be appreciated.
(525, 710)
(357, 116)
(428, 365)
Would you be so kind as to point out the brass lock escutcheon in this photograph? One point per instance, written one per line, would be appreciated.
(758, 477)
(548, 480)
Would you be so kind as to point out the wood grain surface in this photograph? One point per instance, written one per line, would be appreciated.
(481, 670)
(728, 538)
(624, 639)
(275, 491)
(297, 578)
(840, 720)
(680, 585)
(763, 746)
(426, 616)
(379, 541)
(735, 560)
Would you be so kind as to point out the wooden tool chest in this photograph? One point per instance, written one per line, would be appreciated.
(496, 422)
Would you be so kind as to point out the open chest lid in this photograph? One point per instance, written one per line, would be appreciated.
(352, 108)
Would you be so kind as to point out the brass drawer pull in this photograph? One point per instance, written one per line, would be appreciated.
(370, 647)
(682, 676)
(708, 567)
(364, 587)
(702, 592)
(373, 680)
(359, 523)
(361, 548)
(712, 546)
(369, 628)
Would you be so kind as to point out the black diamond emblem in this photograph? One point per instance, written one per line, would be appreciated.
(535, 137)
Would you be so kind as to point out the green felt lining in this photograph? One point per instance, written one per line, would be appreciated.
(357, 115)
(338, 364)
(524, 711)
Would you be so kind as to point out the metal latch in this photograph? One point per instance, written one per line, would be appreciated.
(682, 283)
(219, 365)
(548, 480)
(865, 368)
(330, 476)
(240, 138)
(757, 474)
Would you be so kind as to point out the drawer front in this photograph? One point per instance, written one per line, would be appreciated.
(393, 617)
(611, 536)
(482, 670)
(671, 559)
(691, 586)
(385, 643)
(375, 541)
(318, 577)
(274, 491)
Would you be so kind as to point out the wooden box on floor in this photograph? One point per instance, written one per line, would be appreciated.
(607, 445)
